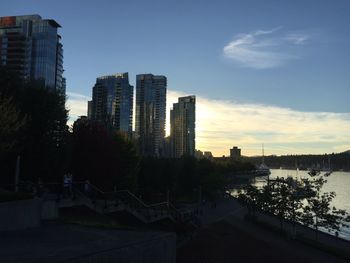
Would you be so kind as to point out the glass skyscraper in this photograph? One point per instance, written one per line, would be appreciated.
(31, 46)
(182, 127)
(112, 102)
(150, 113)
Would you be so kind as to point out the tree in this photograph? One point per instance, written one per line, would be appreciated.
(107, 159)
(318, 212)
(11, 122)
(42, 140)
(297, 201)
(250, 198)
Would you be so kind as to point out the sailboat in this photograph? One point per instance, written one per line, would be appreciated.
(263, 169)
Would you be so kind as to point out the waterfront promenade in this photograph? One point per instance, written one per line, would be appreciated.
(227, 237)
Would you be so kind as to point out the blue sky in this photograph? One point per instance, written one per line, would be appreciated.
(280, 55)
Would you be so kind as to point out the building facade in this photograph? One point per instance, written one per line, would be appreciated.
(112, 102)
(182, 127)
(150, 113)
(31, 47)
(235, 152)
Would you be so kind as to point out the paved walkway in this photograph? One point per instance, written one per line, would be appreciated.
(58, 242)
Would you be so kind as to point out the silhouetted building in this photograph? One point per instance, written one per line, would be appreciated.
(112, 102)
(99, 103)
(31, 47)
(208, 155)
(182, 126)
(89, 109)
(235, 152)
(165, 149)
(150, 113)
(198, 154)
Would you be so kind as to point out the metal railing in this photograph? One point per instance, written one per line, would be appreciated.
(102, 200)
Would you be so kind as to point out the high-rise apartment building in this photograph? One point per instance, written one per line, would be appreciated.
(182, 127)
(150, 113)
(112, 102)
(31, 46)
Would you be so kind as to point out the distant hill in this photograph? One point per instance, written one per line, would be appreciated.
(334, 161)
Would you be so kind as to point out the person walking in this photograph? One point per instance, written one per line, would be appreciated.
(66, 185)
(70, 185)
(87, 188)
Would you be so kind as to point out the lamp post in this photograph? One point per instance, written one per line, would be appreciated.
(18, 162)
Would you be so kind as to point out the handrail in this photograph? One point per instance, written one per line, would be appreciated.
(129, 198)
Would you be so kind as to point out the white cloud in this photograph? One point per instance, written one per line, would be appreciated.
(263, 49)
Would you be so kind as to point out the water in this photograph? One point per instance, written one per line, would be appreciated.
(338, 182)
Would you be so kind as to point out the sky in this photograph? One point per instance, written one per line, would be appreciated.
(272, 72)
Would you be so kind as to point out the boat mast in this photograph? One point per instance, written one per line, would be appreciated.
(263, 155)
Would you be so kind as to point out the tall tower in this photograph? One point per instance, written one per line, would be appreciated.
(150, 113)
(112, 102)
(182, 127)
(31, 47)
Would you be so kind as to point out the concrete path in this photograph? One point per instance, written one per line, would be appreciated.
(59, 242)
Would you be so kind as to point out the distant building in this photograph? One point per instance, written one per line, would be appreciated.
(89, 109)
(182, 127)
(198, 154)
(165, 150)
(31, 47)
(150, 113)
(112, 102)
(208, 155)
(235, 152)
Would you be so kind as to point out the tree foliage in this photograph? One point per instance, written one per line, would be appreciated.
(41, 141)
(108, 160)
(298, 202)
(11, 123)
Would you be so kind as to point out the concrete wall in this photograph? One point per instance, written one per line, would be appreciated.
(21, 214)
(160, 250)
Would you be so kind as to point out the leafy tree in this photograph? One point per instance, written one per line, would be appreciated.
(11, 122)
(41, 142)
(106, 159)
(297, 202)
(251, 199)
(318, 212)
(287, 199)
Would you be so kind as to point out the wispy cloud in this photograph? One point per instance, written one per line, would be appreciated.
(264, 49)
(221, 124)
(297, 39)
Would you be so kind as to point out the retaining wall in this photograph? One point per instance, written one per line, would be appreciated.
(21, 214)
